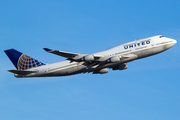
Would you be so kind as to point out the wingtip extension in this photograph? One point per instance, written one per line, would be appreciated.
(47, 49)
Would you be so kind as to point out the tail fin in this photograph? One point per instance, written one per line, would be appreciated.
(22, 61)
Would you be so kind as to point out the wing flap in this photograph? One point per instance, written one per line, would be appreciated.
(23, 72)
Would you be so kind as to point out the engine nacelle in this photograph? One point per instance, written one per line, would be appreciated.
(120, 67)
(88, 58)
(102, 71)
(114, 59)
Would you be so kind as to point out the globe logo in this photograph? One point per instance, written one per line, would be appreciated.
(26, 62)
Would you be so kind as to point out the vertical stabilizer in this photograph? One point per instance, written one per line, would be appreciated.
(22, 61)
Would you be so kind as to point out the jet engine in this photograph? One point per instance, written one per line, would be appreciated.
(120, 67)
(88, 58)
(114, 59)
(102, 71)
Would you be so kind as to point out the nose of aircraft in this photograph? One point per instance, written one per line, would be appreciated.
(171, 43)
(174, 41)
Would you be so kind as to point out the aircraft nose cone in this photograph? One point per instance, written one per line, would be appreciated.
(175, 41)
(171, 44)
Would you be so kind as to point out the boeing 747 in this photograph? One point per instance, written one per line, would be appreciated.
(115, 58)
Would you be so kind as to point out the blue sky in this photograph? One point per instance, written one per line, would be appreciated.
(148, 89)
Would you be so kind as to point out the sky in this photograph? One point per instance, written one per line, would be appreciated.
(148, 90)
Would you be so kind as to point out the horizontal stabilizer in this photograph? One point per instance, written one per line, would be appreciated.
(22, 72)
(63, 54)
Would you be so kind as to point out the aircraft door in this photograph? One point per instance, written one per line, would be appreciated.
(152, 43)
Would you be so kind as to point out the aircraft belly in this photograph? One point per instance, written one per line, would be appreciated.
(68, 71)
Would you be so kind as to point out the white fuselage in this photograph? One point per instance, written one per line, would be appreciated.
(128, 52)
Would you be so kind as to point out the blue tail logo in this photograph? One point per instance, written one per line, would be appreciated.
(22, 61)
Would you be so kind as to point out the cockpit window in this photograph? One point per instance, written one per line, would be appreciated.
(161, 36)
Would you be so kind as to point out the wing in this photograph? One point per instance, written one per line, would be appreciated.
(65, 54)
(74, 56)
(23, 72)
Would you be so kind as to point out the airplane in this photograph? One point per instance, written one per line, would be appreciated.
(115, 58)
